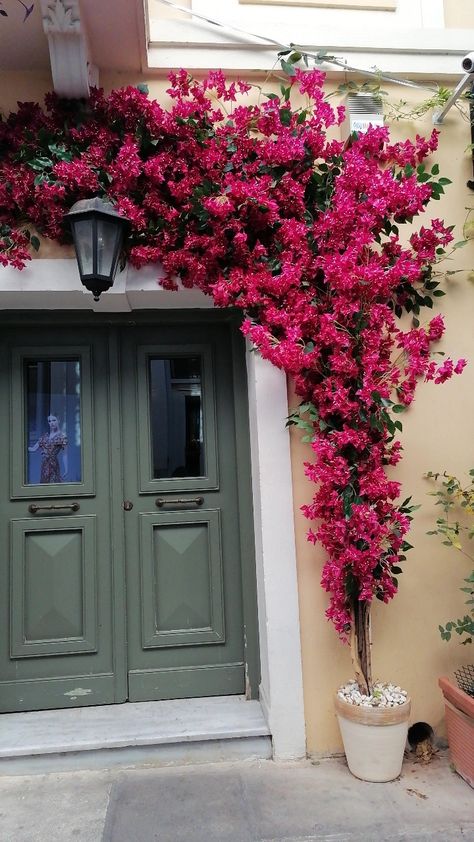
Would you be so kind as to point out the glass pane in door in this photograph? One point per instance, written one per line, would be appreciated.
(176, 417)
(53, 421)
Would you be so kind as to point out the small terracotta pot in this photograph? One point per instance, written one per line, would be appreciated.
(374, 739)
(459, 707)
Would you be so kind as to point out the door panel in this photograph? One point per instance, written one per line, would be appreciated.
(185, 632)
(56, 547)
(54, 586)
(182, 561)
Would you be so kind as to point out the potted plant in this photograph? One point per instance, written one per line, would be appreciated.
(455, 499)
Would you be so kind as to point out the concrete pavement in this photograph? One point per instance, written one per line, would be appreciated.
(258, 801)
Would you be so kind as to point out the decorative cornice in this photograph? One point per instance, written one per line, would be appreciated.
(72, 71)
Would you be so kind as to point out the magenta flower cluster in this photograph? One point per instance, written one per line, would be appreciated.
(254, 204)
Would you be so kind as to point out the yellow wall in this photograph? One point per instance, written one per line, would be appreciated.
(438, 433)
(24, 86)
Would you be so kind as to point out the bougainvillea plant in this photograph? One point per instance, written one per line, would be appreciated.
(258, 207)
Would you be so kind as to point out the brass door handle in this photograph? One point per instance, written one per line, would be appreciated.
(178, 501)
(33, 507)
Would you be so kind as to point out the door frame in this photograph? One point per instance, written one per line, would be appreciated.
(244, 515)
(52, 284)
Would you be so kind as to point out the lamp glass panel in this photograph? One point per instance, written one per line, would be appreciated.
(83, 240)
(107, 237)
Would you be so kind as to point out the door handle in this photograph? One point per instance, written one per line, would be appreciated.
(178, 501)
(33, 507)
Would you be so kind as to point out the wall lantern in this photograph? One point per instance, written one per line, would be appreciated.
(98, 232)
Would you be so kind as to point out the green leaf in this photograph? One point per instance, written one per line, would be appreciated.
(35, 243)
(287, 68)
(295, 57)
(42, 178)
(399, 407)
(285, 116)
(39, 164)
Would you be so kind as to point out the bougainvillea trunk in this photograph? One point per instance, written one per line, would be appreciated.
(361, 645)
(257, 207)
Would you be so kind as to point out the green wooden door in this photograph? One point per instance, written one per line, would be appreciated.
(123, 542)
(57, 640)
(182, 536)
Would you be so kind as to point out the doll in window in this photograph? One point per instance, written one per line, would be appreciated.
(53, 447)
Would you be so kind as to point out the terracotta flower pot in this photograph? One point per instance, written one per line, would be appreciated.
(374, 739)
(459, 708)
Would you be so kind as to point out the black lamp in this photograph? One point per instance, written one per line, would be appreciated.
(98, 232)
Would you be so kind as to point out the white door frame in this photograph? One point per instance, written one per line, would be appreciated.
(53, 284)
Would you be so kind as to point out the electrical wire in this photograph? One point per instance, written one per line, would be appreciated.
(319, 57)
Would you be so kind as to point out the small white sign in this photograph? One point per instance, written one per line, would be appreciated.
(362, 124)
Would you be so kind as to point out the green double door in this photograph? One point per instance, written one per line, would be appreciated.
(125, 514)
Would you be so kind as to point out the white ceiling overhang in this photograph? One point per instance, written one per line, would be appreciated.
(410, 40)
(75, 40)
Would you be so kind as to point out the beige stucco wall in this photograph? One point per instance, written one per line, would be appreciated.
(438, 433)
(459, 14)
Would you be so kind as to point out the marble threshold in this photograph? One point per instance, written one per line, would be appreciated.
(182, 730)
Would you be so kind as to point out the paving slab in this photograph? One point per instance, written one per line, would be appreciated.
(54, 808)
(259, 801)
(270, 802)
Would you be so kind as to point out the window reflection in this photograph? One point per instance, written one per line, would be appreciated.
(53, 421)
(176, 417)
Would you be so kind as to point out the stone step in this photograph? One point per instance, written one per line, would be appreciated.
(135, 733)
